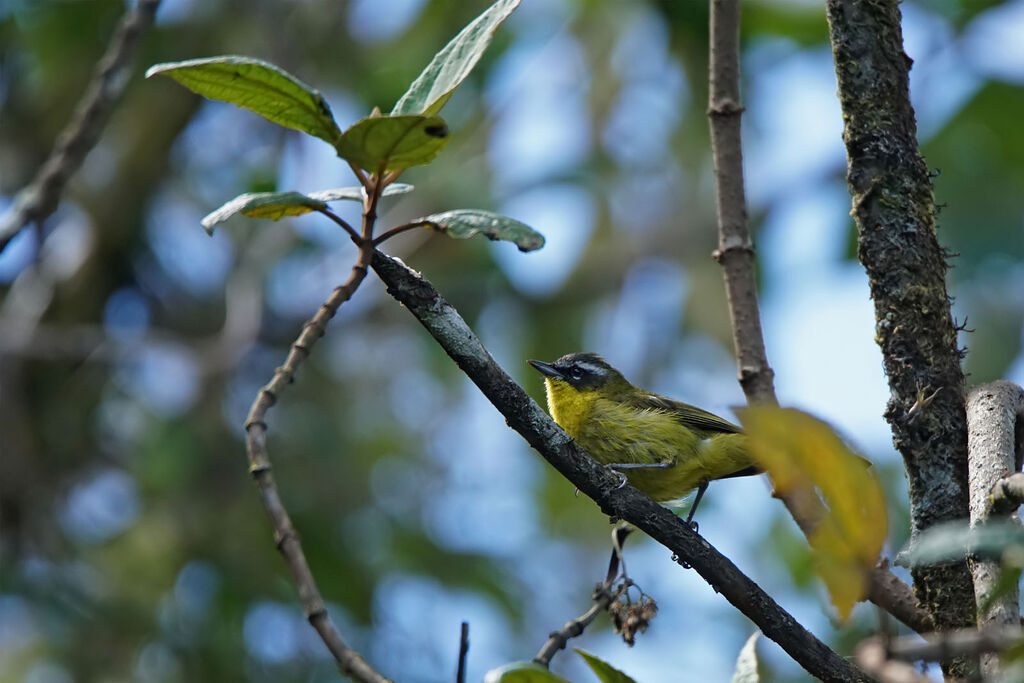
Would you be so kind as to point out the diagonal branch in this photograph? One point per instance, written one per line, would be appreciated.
(736, 255)
(533, 424)
(41, 197)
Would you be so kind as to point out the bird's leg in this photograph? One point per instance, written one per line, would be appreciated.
(617, 467)
(693, 508)
(619, 534)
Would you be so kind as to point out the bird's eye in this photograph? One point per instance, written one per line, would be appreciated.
(576, 373)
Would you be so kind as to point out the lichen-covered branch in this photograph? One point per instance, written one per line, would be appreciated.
(993, 413)
(528, 419)
(894, 211)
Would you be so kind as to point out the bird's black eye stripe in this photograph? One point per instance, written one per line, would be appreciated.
(575, 372)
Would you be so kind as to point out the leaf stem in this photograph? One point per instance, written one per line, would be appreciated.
(343, 223)
(399, 229)
(360, 175)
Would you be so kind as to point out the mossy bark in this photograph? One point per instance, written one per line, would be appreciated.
(894, 210)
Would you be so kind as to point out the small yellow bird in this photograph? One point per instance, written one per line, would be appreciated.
(662, 447)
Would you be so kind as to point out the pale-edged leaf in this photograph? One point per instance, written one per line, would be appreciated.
(355, 193)
(522, 672)
(449, 67)
(272, 205)
(464, 223)
(956, 541)
(746, 662)
(257, 86)
(605, 672)
(393, 142)
(801, 452)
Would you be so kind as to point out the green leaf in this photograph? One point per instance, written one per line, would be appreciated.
(272, 205)
(746, 663)
(257, 86)
(393, 142)
(452, 64)
(606, 673)
(356, 193)
(954, 541)
(522, 672)
(464, 223)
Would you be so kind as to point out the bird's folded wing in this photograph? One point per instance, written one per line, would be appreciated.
(685, 414)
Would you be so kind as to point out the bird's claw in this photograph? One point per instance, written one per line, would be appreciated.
(623, 479)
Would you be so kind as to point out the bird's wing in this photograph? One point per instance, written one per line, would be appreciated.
(687, 415)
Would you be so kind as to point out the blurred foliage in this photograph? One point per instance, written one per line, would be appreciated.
(131, 344)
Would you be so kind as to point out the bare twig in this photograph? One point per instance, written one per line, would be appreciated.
(736, 255)
(627, 503)
(349, 661)
(460, 674)
(604, 596)
(993, 412)
(735, 249)
(40, 198)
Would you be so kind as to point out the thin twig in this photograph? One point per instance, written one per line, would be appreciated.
(349, 661)
(360, 174)
(343, 223)
(603, 597)
(40, 198)
(627, 503)
(735, 249)
(385, 236)
(736, 255)
(460, 674)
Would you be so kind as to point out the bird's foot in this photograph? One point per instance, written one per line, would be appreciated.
(622, 477)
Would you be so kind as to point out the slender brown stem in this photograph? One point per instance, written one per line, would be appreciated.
(344, 224)
(384, 237)
(360, 174)
(391, 177)
(557, 640)
(735, 249)
(349, 661)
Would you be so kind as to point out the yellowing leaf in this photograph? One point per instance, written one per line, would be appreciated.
(800, 452)
(272, 205)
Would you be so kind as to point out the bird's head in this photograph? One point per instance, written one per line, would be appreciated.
(582, 373)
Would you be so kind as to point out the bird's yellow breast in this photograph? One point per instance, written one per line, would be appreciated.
(614, 432)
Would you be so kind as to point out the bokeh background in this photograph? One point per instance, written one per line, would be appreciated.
(133, 546)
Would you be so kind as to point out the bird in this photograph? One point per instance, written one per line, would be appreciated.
(661, 446)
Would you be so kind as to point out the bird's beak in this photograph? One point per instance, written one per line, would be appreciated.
(546, 369)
